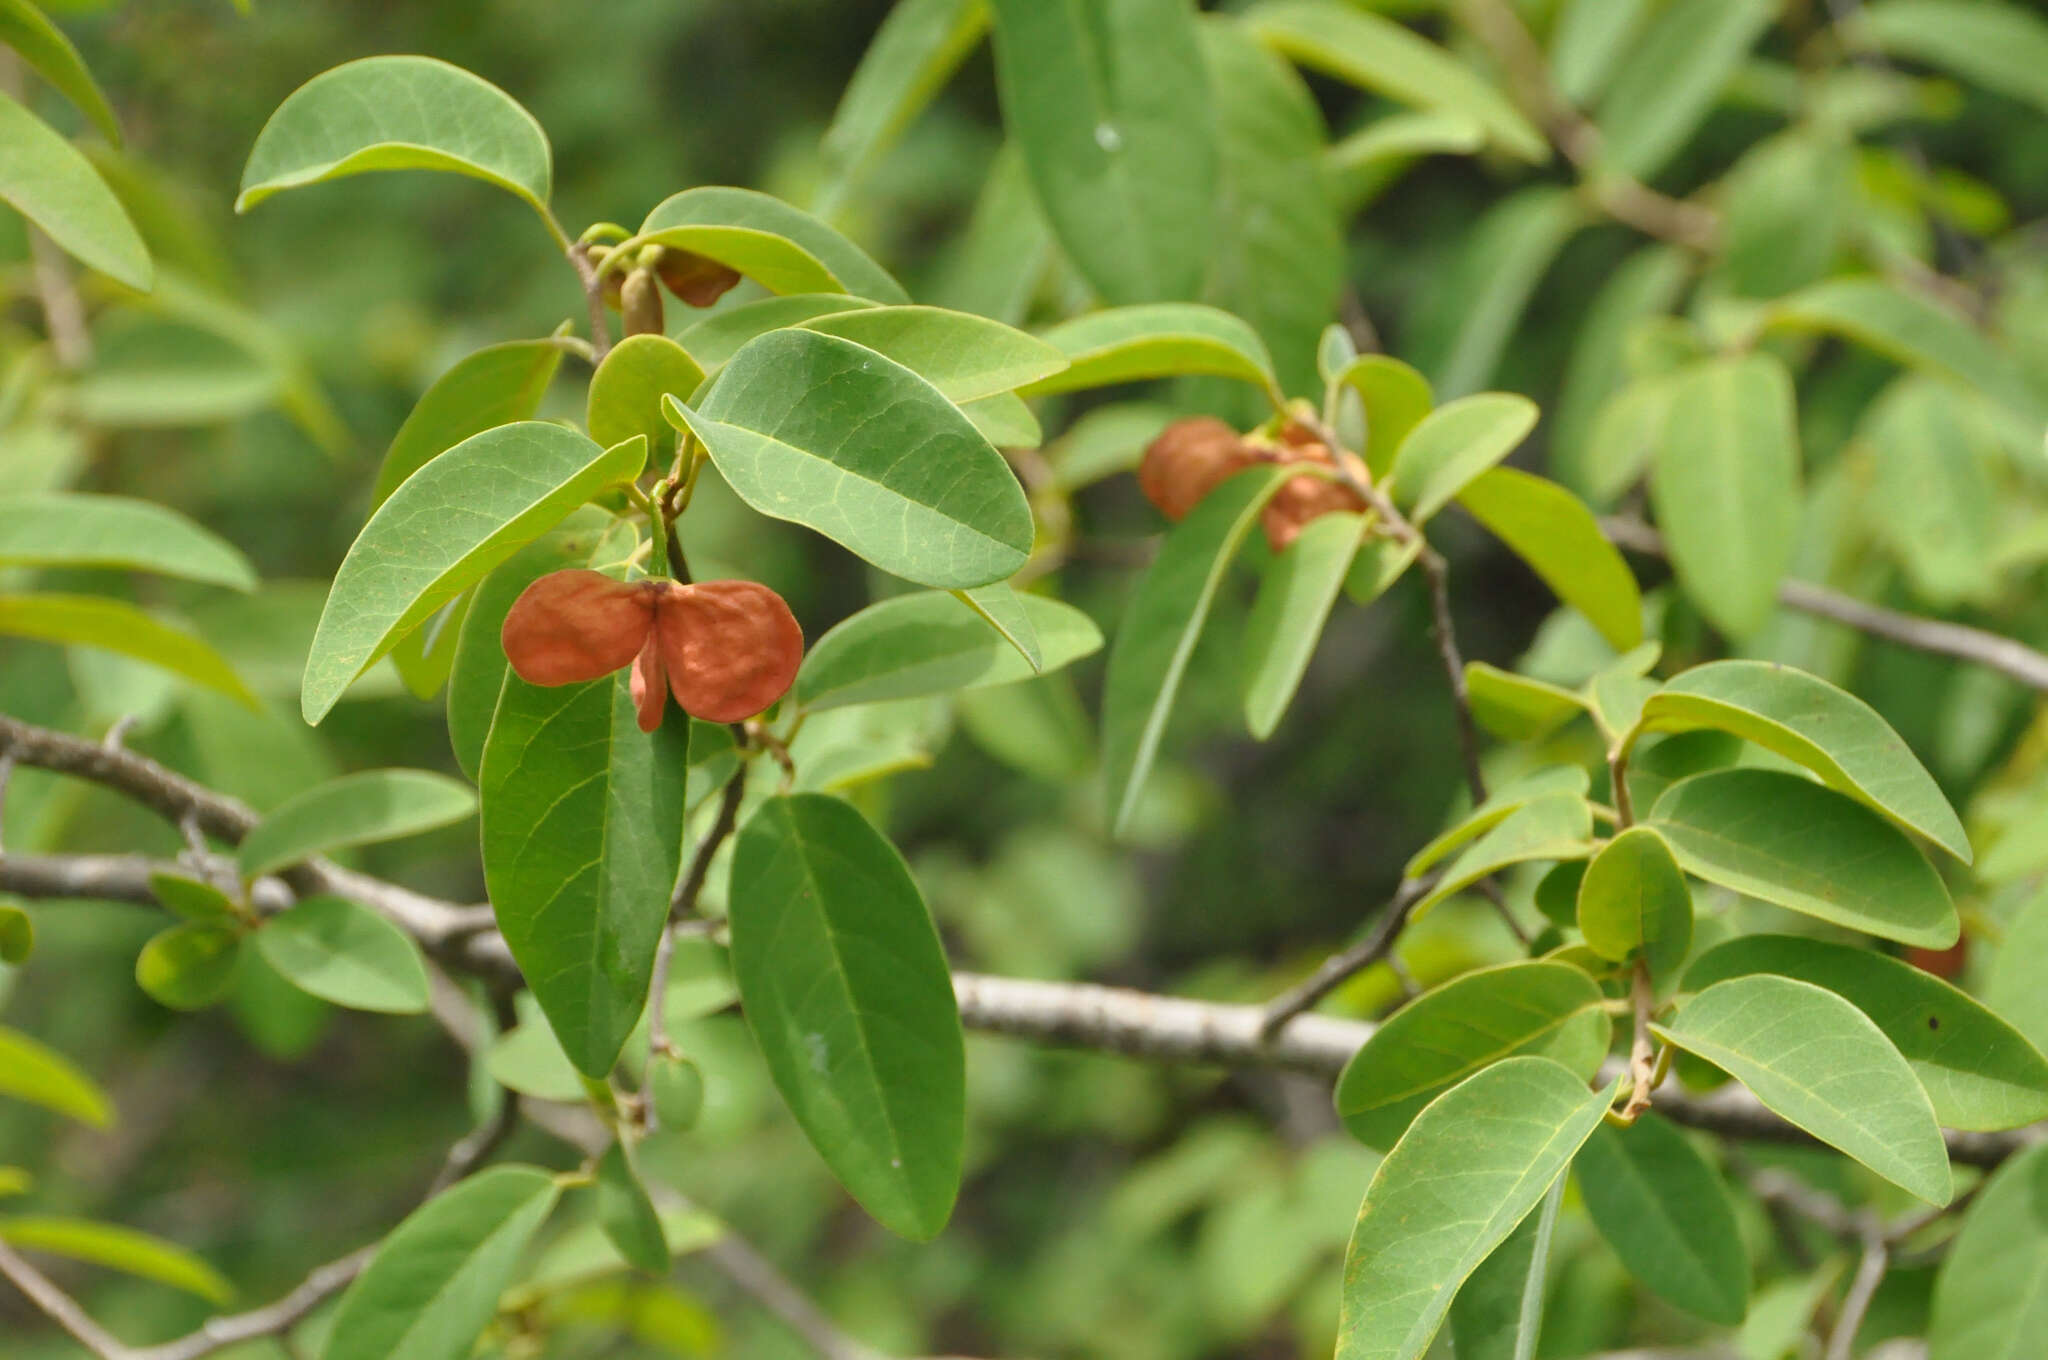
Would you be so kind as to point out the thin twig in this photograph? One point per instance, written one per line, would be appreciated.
(1339, 967)
(1439, 574)
(684, 903)
(59, 1307)
(593, 296)
(1642, 1051)
(767, 1286)
(1856, 1303)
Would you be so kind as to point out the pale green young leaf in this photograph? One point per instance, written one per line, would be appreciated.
(189, 899)
(32, 1072)
(1812, 723)
(717, 337)
(1005, 421)
(1363, 165)
(919, 46)
(1469, 1023)
(932, 643)
(1820, 1063)
(495, 386)
(1287, 621)
(117, 1248)
(1454, 444)
(1633, 898)
(1978, 1071)
(1108, 104)
(1648, 283)
(965, 356)
(1675, 74)
(1988, 1301)
(626, 392)
(119, 627)
(73, 529)
(1553, 531)
(347, 954)
(1518, 707)
(54, 186)
(1668, 1216)
(1553, 826)
(627, 1215)
(1785, 839)
(2002, 47)
(581, 849)
(356, 809)
(1396, 399)
(435, 1281)
(1499, 805)
(847, 991)
(441, 530)
(784, 249)
(1626, 432)
(1157, 340)
(1498, 1314)
(1378, 564)
(1470, 1168)
(43, 46)
(189, 967)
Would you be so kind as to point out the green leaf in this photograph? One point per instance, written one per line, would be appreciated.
(1632, 898)
(1380, 562)
(497, 385)
(441, 530)
(963, 355)
(1396, 399)
(398, 113)
(1107, 102)
(116, 626)
(1811, 723)
(1468, 1024)
(2001, 47)
(847, 991)
(1553, 531)
(1161, 626)
(675, 1088)
(1499, 805)
(1287, 621)
(1377, 54)
(919, 46)
(720, 335)
(529, 1059)
(1363, 165)
(1668, 1217)
(1978, 1071)
(1498, 1314)
(1555, 826)
(1003, 253)
(627, 1215)
(192, 900)
(42, 1076)
(1516, 707)
(435, 1281)
(1725, 485)
(117, 1248)
(1783, 838)
(347, 954)
(1673, 77)
(1588, 42)
(1646, 284)
(424, 656)
(1159, 340)
(1819, 1062)
(43, 46)
(582, 1253)
(931, 643)
(1454, 444)
(2013, 988)
(15, 1181)
(1003, 609)
(1469, 315)
(1933, 499)
(71, 529)
(830, 434)
(51, 184)
(17, 934)
(356, 809)
(1470, 1168)
(784, 249)
(626, 391)
(1988, 1302)
(189, 967)
(1005, 421)
(581, 848)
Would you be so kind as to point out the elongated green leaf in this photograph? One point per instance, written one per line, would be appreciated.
(2012, 990)
(495, 386)
(346, 954)
(1160, 629)
(1933, 499)
(2002, 47)
(71, 529)
(356, 809)
(1632, 898)
(1516, 707)
(1819, 1062)
(1396, 398)
(626, 391)
(116, 626)
(54, 186)
(830, 434)
(846, 989)
(1288, 619)
(1379, 55)
(1554, 826)
(192, 900)
(1469, 316)
(582, 1254)
(783, 248)
(1788, 840)
(932, 643)
(1553, 531)
(1988, 1299)
(117, 1248)
(1470, 1168)
(915, 51)
(43, 45)
(435, 1281)
(963, 355)
(1003, 609)
(1469, 1023)
(1726, 487)
(1108, 104)
(1811, 723)
(1499, 805)
(42, 1076)
(1160, 340)
(1668, 1216)
(1498, 1314)
(1364, 165)
(1675, 73)
(398, 113)
(1001, 257)
(1005, 421)
(1978, 1071)
(627, 1215)
(1454, 444)
(1589, 41)
(189, 967)
(1646, 284)
(441, 530)
(581, 850)
(719, 336)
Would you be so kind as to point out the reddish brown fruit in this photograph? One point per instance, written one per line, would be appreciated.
(577, 625)
(1188, 460)
(1301, 499)
(731, 648)
(1946, 964)
(695, 279)
(649, 684)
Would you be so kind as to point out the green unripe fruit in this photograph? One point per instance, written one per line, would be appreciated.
(676, 1087)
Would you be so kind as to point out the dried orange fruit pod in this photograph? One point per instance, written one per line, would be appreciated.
(731, 648)
(1188, 460)
(649, 684)
(577, 625)
(693, 278)
(1301, 499)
